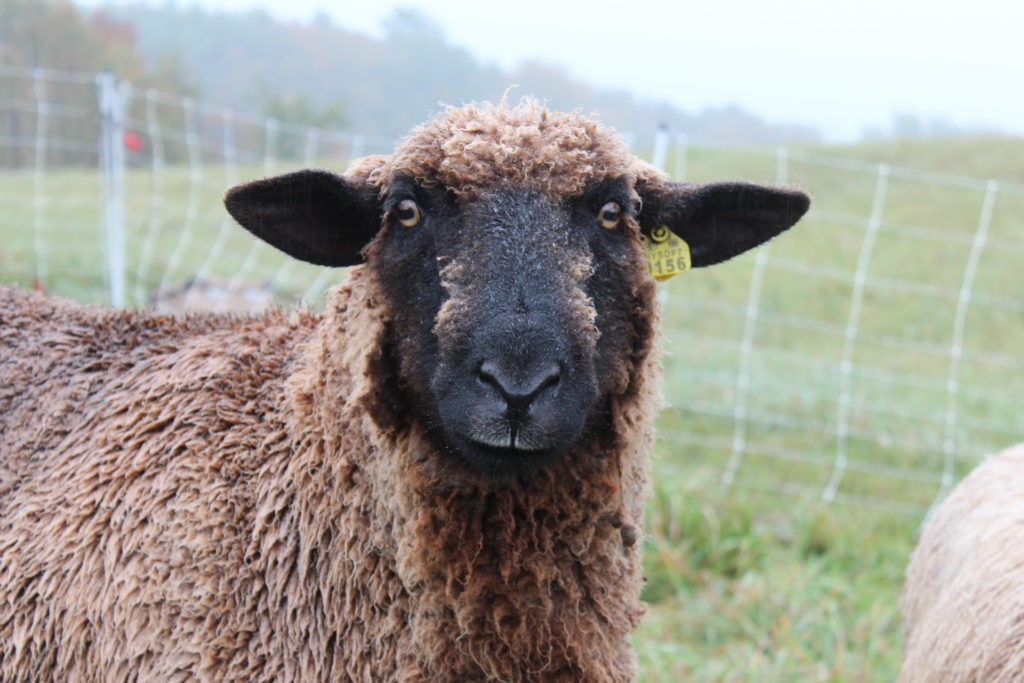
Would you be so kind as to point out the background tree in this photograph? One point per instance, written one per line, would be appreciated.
(56, 35)
(390, 83)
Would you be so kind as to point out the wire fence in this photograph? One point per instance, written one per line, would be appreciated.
(869, 357)
(126, 190)
(876, 352)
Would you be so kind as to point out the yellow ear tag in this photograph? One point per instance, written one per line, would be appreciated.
(667, 254)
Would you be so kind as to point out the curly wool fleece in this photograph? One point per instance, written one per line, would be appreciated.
(212, 497)
(473, 148)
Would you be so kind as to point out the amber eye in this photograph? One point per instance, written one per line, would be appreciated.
(610, 215)
(408, 213)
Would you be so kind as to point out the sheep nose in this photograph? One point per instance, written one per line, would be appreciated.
(519, 389)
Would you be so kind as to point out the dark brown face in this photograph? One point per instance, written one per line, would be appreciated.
(517, 313)
(512, 314)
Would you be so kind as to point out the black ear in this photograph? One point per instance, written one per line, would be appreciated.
(315, 216)
(720, 220)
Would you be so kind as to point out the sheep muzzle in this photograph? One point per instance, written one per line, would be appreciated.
(514, 381)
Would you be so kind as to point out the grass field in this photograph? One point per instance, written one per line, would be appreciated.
(762, 580)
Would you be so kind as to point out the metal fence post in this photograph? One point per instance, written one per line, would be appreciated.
(660, 153)
(114, 95)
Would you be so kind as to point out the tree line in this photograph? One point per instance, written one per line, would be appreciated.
(321, 72)
(315, 73)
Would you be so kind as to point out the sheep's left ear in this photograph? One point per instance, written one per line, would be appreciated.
(720, 220)
(316, 216)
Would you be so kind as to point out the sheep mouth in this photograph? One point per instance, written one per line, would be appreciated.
(512, 442)
(502, 460)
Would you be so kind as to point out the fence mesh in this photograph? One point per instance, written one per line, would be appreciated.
(868, 357)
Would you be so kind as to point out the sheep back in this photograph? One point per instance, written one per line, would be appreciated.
(131, 451)
(963, 604)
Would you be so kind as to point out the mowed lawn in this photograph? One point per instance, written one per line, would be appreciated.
(814, 414)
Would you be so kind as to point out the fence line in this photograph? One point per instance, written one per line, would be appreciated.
(956, 349)
(739, 441)
(39, 199)
(853, 164)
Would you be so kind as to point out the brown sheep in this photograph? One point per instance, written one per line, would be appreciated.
(439, 479)
(963, 605)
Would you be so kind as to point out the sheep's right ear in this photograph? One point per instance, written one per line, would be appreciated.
(720, 220)
(316, 216)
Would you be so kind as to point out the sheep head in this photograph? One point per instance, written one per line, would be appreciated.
(508, 242)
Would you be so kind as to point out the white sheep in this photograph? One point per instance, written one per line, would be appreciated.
(963, 604)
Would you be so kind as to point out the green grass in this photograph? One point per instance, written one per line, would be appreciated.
(761, 580)
(991, 157)
(747, 587)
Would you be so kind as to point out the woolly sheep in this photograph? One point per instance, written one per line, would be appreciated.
(438, 479)
(963, 604)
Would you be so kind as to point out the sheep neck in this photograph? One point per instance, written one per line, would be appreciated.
(506, 580)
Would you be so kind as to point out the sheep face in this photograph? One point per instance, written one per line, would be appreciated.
(513, 313)
(509, 246)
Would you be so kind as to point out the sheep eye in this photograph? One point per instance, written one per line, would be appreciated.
(610, 215)
(408, 213)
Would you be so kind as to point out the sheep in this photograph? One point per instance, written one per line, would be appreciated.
(963, 603)
(440, 478)
(215, 295)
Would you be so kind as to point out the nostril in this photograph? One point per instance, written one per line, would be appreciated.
(487, 374)
(548, 378)
(515, 387)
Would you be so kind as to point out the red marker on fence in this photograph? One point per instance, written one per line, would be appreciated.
(132, 141)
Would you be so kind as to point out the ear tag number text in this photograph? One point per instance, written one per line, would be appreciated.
(667, 254)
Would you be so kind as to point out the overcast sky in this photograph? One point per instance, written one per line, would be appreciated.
(840, 65)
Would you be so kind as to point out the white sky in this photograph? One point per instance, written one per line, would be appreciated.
(840, 65)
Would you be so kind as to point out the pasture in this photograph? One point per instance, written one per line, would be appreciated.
(821, 396)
